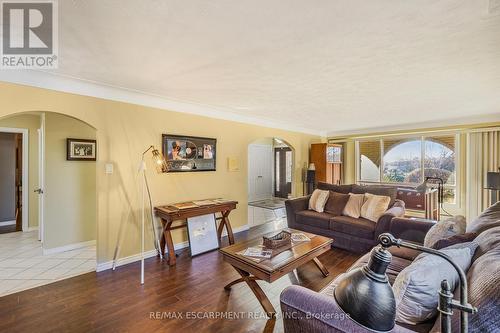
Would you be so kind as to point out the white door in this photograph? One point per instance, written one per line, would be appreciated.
(41, 176)
(260, 172)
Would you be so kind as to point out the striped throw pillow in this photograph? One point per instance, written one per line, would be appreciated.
(374, 206)
(318, 200)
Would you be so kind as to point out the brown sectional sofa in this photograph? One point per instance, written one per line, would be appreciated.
(353, 234)
(303, 308)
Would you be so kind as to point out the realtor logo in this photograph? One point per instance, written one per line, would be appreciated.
(29, 34)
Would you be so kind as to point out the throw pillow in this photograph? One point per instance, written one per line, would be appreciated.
(416, 287)
(445, 229)
(318, 200)
(374, 206)
(456, 239)
(353, 206)
(336, 203)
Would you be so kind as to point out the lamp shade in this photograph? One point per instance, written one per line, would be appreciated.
(159, 161)
(366, 295)
(493, 180)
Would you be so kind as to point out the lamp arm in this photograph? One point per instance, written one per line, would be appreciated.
(387, 240)
(145, 152)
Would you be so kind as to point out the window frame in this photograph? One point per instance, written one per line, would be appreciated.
(422, 138)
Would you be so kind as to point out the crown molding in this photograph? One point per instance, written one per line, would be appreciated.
(52, 81)
(442, 124)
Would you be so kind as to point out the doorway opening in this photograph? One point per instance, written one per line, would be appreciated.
(13, 177)
(53, 201)
(270, 179)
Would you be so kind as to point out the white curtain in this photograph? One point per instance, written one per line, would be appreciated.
(483, 155)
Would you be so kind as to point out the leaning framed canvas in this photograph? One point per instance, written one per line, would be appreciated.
(189, 153)
(81, 149)
(202, 234)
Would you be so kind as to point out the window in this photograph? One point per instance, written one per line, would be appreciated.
(401, 161)
(369, 152)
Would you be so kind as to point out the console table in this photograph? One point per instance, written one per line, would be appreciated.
(170, 213)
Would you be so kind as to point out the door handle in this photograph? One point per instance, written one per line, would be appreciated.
(38, 190)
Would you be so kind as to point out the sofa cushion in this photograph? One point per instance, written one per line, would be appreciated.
(374, 206)
(313, 218)
(387, 191)
(356, 227)
(490, 218)
(444, 229)
(416, 287)
(344, 189)
(404, 253)
(353, 206)
(487, 241)
(483, 279)
(336, 203)
(456, 239)
(318, 200)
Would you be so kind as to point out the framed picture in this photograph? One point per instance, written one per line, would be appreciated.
(81, 150)
(202, 233)
(189, 153)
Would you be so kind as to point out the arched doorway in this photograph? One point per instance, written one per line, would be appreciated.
(59, 202)
(270, 179)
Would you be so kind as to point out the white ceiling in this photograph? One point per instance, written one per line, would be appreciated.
(321, 66)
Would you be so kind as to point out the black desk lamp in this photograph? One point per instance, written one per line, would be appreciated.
(493, 184)
(366, 295)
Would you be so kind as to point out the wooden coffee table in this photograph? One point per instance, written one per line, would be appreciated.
(269, 270)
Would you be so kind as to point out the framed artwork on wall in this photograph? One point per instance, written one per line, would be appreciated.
(189, 153)
(202, 233)
(81, 150)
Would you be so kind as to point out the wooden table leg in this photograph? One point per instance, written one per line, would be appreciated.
(224, 222)
(321, 267)
(162, 238)
(170, 244)
(258, 292)
(229, 285)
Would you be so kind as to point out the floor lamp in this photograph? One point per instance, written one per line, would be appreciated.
(161, 167)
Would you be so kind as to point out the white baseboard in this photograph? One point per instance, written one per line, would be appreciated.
(6, 223)
(31, 229)
(152, 253)
(68, 247)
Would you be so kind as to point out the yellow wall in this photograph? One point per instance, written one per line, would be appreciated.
(124, 131)
(70, 186)
(31, 123)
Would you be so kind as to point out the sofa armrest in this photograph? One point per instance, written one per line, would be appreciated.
(293, 206)
(410, 229)
(307, 311)
(384, 222)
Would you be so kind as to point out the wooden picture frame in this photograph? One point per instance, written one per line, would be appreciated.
(189, 153)
(81, 149)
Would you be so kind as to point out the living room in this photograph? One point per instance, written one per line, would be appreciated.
(231, 166)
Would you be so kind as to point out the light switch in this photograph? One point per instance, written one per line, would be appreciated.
(109, 168)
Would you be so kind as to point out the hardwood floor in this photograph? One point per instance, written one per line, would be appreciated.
(184, 298)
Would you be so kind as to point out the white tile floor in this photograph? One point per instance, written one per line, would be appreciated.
(23, 265)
